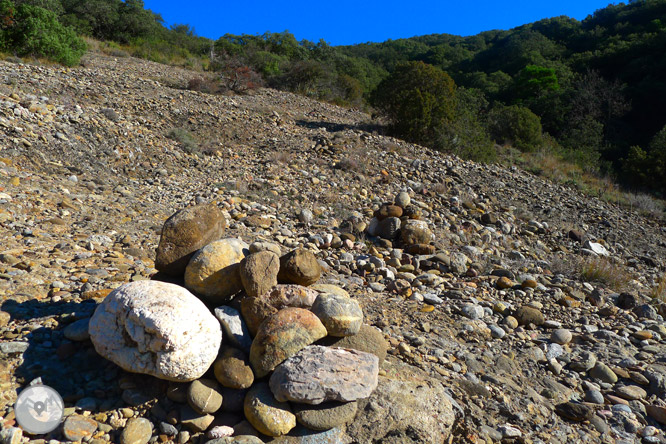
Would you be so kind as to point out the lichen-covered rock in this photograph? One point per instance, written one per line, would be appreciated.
(185, 232)
(256, 310)
(156, 328)
(213, 272)
(299, 267)
(342, 316)
(408, 406)
(317, 374)
(415, 232)
(266, 414)
(283, 335)
(258, 272)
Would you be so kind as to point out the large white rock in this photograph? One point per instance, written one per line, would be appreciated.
(156, 328)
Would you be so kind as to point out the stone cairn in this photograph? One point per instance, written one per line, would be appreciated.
(250, 332)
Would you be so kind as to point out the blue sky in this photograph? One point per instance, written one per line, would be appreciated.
(347, 22)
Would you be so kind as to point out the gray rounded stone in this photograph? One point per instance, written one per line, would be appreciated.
(402, 199)
(325, 416)
(561, 336)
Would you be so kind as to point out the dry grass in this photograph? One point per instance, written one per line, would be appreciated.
(659, 292)
(603, 271)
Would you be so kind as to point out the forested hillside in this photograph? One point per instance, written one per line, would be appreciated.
(590, 92)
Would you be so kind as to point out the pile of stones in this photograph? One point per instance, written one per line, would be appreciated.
(242, 330)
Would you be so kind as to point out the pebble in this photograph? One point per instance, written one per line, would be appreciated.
(204, 396)
(136, 431)
(266, 414)
(77, 427)
(561, 336)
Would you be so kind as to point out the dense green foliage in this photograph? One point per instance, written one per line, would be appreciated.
(419, 99)
(593, 87)
(33, 30)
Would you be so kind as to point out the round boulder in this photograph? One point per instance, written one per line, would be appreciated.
(156, 328)
(266, 414)
(258, 272)
(184, 233)
(213, 272)
(283, 335)
(232, 369)
(415, 232)
(299, 267)
(340, 315)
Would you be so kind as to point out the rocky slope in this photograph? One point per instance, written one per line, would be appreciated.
(490, 319)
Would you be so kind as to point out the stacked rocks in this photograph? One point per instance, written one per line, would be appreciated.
(283, 351)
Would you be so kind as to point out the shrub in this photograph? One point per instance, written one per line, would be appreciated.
(515, 125)
(239, 77)
(418, 99)
(185, 139)
(603, 271)
(203, 84)
(31, 30)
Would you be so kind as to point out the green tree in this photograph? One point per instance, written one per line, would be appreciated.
(36, 31)
(418, 99)
(516, 125)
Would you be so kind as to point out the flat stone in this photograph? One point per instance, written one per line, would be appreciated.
(317, 374)
(234, 327)
(204, 396)
(325, 416)
(602, 372)
(574, 412)
(368, 339)
(77, 427)
(232, 369)
(194, 421)
(330, 289)
(185, 232)
(258, 272)
(266, 414)
(529, 315)
(299, 267)
(136, 431)
(340, 315)
(630, 392)
(12, 347)
(213, 272)
(158, 329)
(657, 412)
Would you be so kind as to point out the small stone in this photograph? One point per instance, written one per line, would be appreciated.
(630, 392)
(388, 211)
(602, 372)
(318, 374)
(340, 315)
(234, 328)
(4, 318)
(594, 396)
(220, 432)
(194, 421)
(473, 311)
(511, 322)
(657, 412)
(204, 396)
(136, 431)
(266, 414)
(77, 427)
(325, 416)
(232, 369)
(497, 332)
(259, 272)
(299, 267)
(402, 200)
(528, 315)
(561, 336)
(283, 335)
(503, 283)
(78, 330)
(574, 412)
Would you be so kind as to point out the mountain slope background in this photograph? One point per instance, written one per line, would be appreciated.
(595, 85)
